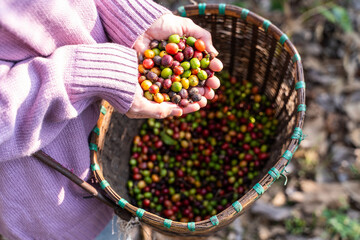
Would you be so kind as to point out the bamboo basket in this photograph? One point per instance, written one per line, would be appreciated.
(251, 48)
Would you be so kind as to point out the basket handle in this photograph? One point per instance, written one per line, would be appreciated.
(49, 161)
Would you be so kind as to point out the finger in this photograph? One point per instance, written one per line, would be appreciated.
(160, 110)
(191, 29)
(216, 65)
(142, 44)
(202, 103)
(209, 93)
(201, 90)
(213, 82)
(193, 107)
(166, 109)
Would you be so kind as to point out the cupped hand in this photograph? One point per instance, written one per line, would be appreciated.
(165, 26)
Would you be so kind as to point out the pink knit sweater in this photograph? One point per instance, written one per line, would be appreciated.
(56, 63)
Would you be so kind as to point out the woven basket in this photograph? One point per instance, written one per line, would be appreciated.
(251, 48)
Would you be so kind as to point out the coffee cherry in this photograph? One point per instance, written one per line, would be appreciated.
(179, 56)
(167, 83)
(166, 97)
(188, 53)
(181, 45)
(148, 63)
(151, 76)
(176, 87)
(190, 41)
(200, 45)
(202, 75)
(186, 65)
(175, 78)
(175, 38)
(145, 85)
(149, 53)
(172, 48)
(194, 63)
(166, 73)
(158, 97)
(154, 43)
(148, 96)
(141, 79)
(176, 99)
(193, 80)
(154, 89)
(196, 97)
(198, 55)
(185, 83)
(162, 45)
(178, 70)
(204, 63)
(156, 70)
(167, 61)
(183, 93)
(193, 91)
(157, 60)
(162, 53)
(186, 74)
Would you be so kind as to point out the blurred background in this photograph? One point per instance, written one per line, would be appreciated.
(322, 197)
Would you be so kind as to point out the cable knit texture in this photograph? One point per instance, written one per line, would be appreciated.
(56, 63)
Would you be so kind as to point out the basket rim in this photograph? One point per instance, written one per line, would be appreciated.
(229, 214)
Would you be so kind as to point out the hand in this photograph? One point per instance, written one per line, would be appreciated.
(165, 26)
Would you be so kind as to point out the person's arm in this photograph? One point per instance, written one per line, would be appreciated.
(126, 20)
(135, 23)
(38, 96)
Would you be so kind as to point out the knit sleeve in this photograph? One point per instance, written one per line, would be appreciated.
(38, 96)
(125, 20)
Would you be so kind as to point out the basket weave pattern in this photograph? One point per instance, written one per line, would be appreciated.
(251, 48)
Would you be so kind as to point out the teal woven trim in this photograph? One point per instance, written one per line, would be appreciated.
(140, 212)
(244, 13)
(167, 223)
(300, 84)
(274, 173)
(182, 11)
(214, 220)
(283, 38)
(104, 184)
(259, 189)
(298, 134)
(287, 155)
(237, 206)
(266, 25)
(96, 130)
(103, 110)
(93, 146)
(95, 167)
(296, 58)
(202, 7)
(191, 226)
(222, 7)
(301, 108)
(122, 202)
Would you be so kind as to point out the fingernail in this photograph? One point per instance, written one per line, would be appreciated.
(216, 52)
(177, 112)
